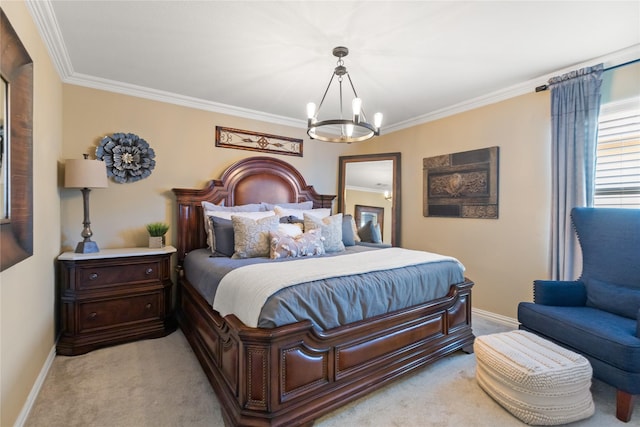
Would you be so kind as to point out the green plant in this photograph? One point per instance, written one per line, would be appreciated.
(157, 229)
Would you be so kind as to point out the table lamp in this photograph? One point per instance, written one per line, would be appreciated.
(85, 174)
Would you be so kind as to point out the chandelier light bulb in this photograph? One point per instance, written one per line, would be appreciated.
(349, 130)
(311, 110)
(377, 120)
(356, 105)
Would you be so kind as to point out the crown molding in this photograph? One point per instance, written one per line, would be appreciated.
(44, 18)
(620, 57)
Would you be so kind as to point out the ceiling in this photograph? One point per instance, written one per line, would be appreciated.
(413, 61)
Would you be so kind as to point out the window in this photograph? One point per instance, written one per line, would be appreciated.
(617, 180)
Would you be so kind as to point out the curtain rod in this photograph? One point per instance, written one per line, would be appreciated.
(613, 67)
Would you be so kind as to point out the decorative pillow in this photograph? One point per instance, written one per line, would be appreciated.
(209, 208)
(366, 232)
(252, 236)
(303, 206)
(226, 234)
(355, 229)
(306, 244)
(347, 231)
(376, 236)
(297, 213)
(621, 300)
(223, 236)
(331, 229)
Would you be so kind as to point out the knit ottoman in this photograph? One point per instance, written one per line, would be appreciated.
(536, 380)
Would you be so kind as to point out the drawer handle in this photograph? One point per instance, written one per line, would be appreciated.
(93, 276)
(148, 271)
(93, 315)
(148, 306)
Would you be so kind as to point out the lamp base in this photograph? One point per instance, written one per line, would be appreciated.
(87, 247)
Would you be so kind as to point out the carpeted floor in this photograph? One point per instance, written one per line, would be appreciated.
(159, 383)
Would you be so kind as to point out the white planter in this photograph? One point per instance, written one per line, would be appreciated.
(156, 242)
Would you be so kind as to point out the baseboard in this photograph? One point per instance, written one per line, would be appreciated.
(35, 390)
(508, 321)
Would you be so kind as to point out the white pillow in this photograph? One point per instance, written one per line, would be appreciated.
(297, 213)
(291, 230)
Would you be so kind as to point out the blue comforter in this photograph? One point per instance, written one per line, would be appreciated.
(332, 302)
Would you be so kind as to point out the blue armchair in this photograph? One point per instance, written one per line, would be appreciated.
(597, 315)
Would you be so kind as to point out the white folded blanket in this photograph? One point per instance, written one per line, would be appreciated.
(245, 290)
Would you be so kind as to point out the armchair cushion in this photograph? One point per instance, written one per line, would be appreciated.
(559, 292)
(613, 298)
(589, 331)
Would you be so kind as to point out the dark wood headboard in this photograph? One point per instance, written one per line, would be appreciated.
(251, 180)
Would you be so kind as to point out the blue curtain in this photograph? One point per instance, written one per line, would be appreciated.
(575, 104)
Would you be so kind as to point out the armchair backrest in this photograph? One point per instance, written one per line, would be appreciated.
(610, 242)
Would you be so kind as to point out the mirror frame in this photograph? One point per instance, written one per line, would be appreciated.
(16, 67)
(396, 200)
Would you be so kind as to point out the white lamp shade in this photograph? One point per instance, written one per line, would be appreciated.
(85, 173)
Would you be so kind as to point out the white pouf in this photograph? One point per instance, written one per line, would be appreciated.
(536, 380)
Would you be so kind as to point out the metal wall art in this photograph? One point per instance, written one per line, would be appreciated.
(254, 141)
(127, 156)
(462, 185)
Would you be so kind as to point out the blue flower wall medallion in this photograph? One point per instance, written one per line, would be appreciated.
(127, 156)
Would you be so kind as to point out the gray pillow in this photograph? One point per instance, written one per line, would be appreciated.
(347, 231)
(366, 232)
(223, 232)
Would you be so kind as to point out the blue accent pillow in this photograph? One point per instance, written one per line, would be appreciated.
(348, 239)
(621, 300)
(376, 236)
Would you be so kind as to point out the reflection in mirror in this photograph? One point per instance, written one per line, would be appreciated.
(4, 153)
(370, 184)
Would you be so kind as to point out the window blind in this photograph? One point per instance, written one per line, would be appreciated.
(617, 178)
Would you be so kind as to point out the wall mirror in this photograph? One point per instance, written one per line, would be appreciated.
(373, 181)
(16, 220)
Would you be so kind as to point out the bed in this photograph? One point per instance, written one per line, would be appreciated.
(295, 373)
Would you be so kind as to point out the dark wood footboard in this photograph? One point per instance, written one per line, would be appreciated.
(294, 374)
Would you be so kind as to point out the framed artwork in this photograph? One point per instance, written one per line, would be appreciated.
(364, 214)
(462, 185)
(255, 141)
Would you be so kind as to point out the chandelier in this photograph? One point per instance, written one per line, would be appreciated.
(340, 129)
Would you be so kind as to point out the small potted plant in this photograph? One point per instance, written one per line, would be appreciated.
(157, 231)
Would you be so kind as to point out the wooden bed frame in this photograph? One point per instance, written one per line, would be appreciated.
(294, 374)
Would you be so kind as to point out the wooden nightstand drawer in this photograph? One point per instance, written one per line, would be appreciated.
(98, 276)
(116, 312)
(114, 296)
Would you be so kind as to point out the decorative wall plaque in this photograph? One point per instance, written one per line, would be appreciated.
(254, 141)
(462, 185)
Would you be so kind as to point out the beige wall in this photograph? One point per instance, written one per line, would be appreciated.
(502, 256)
(27, 288)
(186, 156)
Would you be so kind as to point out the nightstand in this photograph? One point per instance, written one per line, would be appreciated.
(114, 296)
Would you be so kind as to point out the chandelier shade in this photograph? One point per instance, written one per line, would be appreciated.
(341, 129)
